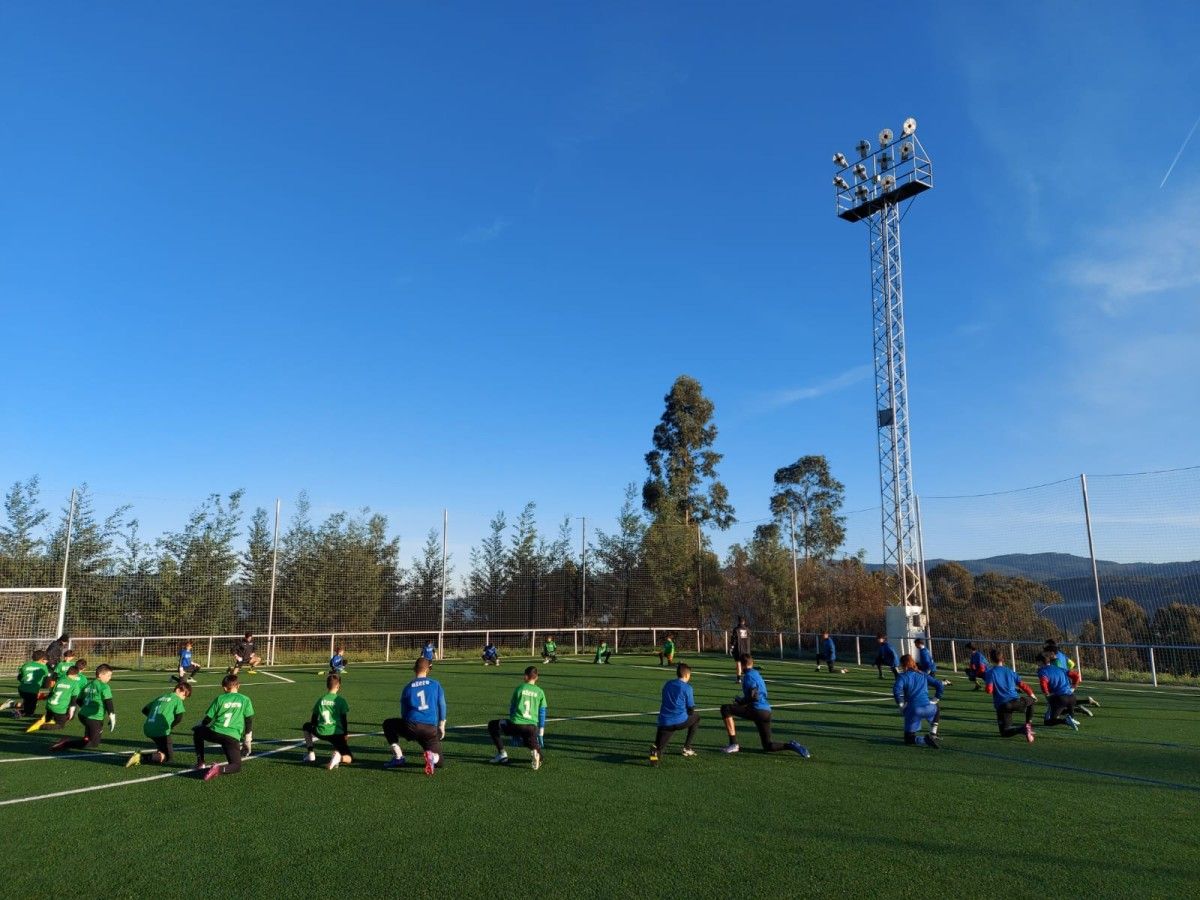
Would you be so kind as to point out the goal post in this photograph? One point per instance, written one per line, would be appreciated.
(29, 619)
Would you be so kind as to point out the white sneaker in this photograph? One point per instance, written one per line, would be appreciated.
(730, 748)
(537, 760)
(334, 761)
(688, 751)
(500, 758)
(310, 756)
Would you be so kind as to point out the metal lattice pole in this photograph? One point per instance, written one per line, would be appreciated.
(883, 179)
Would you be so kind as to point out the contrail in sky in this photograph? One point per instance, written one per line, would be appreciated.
(1180, 153)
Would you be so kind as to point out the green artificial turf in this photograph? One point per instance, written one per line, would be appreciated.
(1110, 811)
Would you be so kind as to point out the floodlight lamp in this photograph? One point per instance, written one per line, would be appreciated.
(906, 150)
(889, 182)
(864, 148)
(840, 183)
(885, 160)
(861, 192)
(909, 127)
(885, 137)
(839, 160)
(860, 171)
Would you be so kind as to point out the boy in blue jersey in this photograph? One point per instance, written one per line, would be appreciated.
(491, 655)
(678, 710)
(428, 652)
(1009, 694)
(1067, 664)
(752, 704)
(885, 655)
(337, 662)
(976, 667)
(826, 652)
(422, 719)
(925, 661)
(911, 692)
(1060, 694)
(187, 668)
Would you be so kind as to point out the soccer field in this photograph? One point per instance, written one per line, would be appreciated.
(1110, 811)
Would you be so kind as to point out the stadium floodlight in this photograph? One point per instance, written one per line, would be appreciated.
(893, 179)
(840, 182)
(839, 160)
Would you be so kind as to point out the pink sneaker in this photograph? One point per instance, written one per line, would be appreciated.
(428, 762)
(213, 772)
(1029, 732)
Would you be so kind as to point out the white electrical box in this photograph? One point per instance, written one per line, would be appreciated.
(904, 624)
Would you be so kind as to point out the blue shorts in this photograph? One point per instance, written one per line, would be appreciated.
(914, 715)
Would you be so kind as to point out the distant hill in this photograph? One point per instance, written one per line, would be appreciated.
(1152, 585)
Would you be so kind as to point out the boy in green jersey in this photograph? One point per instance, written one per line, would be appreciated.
(59, 670)
(95, 704)
(64, 697)
(329, 722)
(526, 720)
(602, 653)
(549, 650)
(163, 716)
(228, 721)
(666, 656)
(31, 678)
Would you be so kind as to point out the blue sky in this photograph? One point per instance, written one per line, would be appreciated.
(417, 256)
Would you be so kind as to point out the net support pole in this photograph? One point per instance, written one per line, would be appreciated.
(62, 599)
(1087, 518)
(271, 596)
(583, 574)
(442, 626)
(796, 583)
(953, 657)
(1153, 669)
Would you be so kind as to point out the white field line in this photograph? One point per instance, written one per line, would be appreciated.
(113, 784)
(273, 675)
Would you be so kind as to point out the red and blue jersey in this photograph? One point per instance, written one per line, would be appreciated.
(677, 702)
(978, 663)
(423, 702)
(912, 688)
(754, 689)
(1055, 681)
(1004, 685)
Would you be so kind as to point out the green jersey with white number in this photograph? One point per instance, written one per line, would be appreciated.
(330, 711)
(60, 669)
(31, 676)
(161, 714)
(64, 692)
(94, 695)
(228, 714)
(527, 700)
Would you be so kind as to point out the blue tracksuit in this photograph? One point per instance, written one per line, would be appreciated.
(828, 649)
(185, 659)
(423, 702)
(337, 662)
(925, 661)
(427, 652)
(886, 655)
(1003, 682)
(912, 689)
(752, 681)
(677, 699)
(490, 652)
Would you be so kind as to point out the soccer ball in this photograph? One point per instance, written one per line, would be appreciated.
(843, 671)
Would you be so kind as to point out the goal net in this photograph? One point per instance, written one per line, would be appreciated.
(29, 619)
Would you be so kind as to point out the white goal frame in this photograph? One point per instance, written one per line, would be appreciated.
(62, 608)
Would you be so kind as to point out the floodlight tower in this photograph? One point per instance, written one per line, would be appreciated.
(872, 190)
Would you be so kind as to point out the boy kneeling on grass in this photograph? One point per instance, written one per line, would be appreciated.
(163, 716)
(60, 705)
(95, 703)
(329, 722)
(229, 722)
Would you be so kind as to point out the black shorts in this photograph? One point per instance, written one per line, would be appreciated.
(526, 734)
(93, 730)
(164, 745)
(428, 737)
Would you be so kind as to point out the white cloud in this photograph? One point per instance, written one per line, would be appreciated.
(788, 396)
(482, 234)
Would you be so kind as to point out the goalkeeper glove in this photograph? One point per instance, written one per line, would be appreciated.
(902, 704)
(112, 722)
(247, 743)
(442, 730)
(542, 736)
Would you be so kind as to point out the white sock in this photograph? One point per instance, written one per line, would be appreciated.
(337, 758)
(397, 752)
